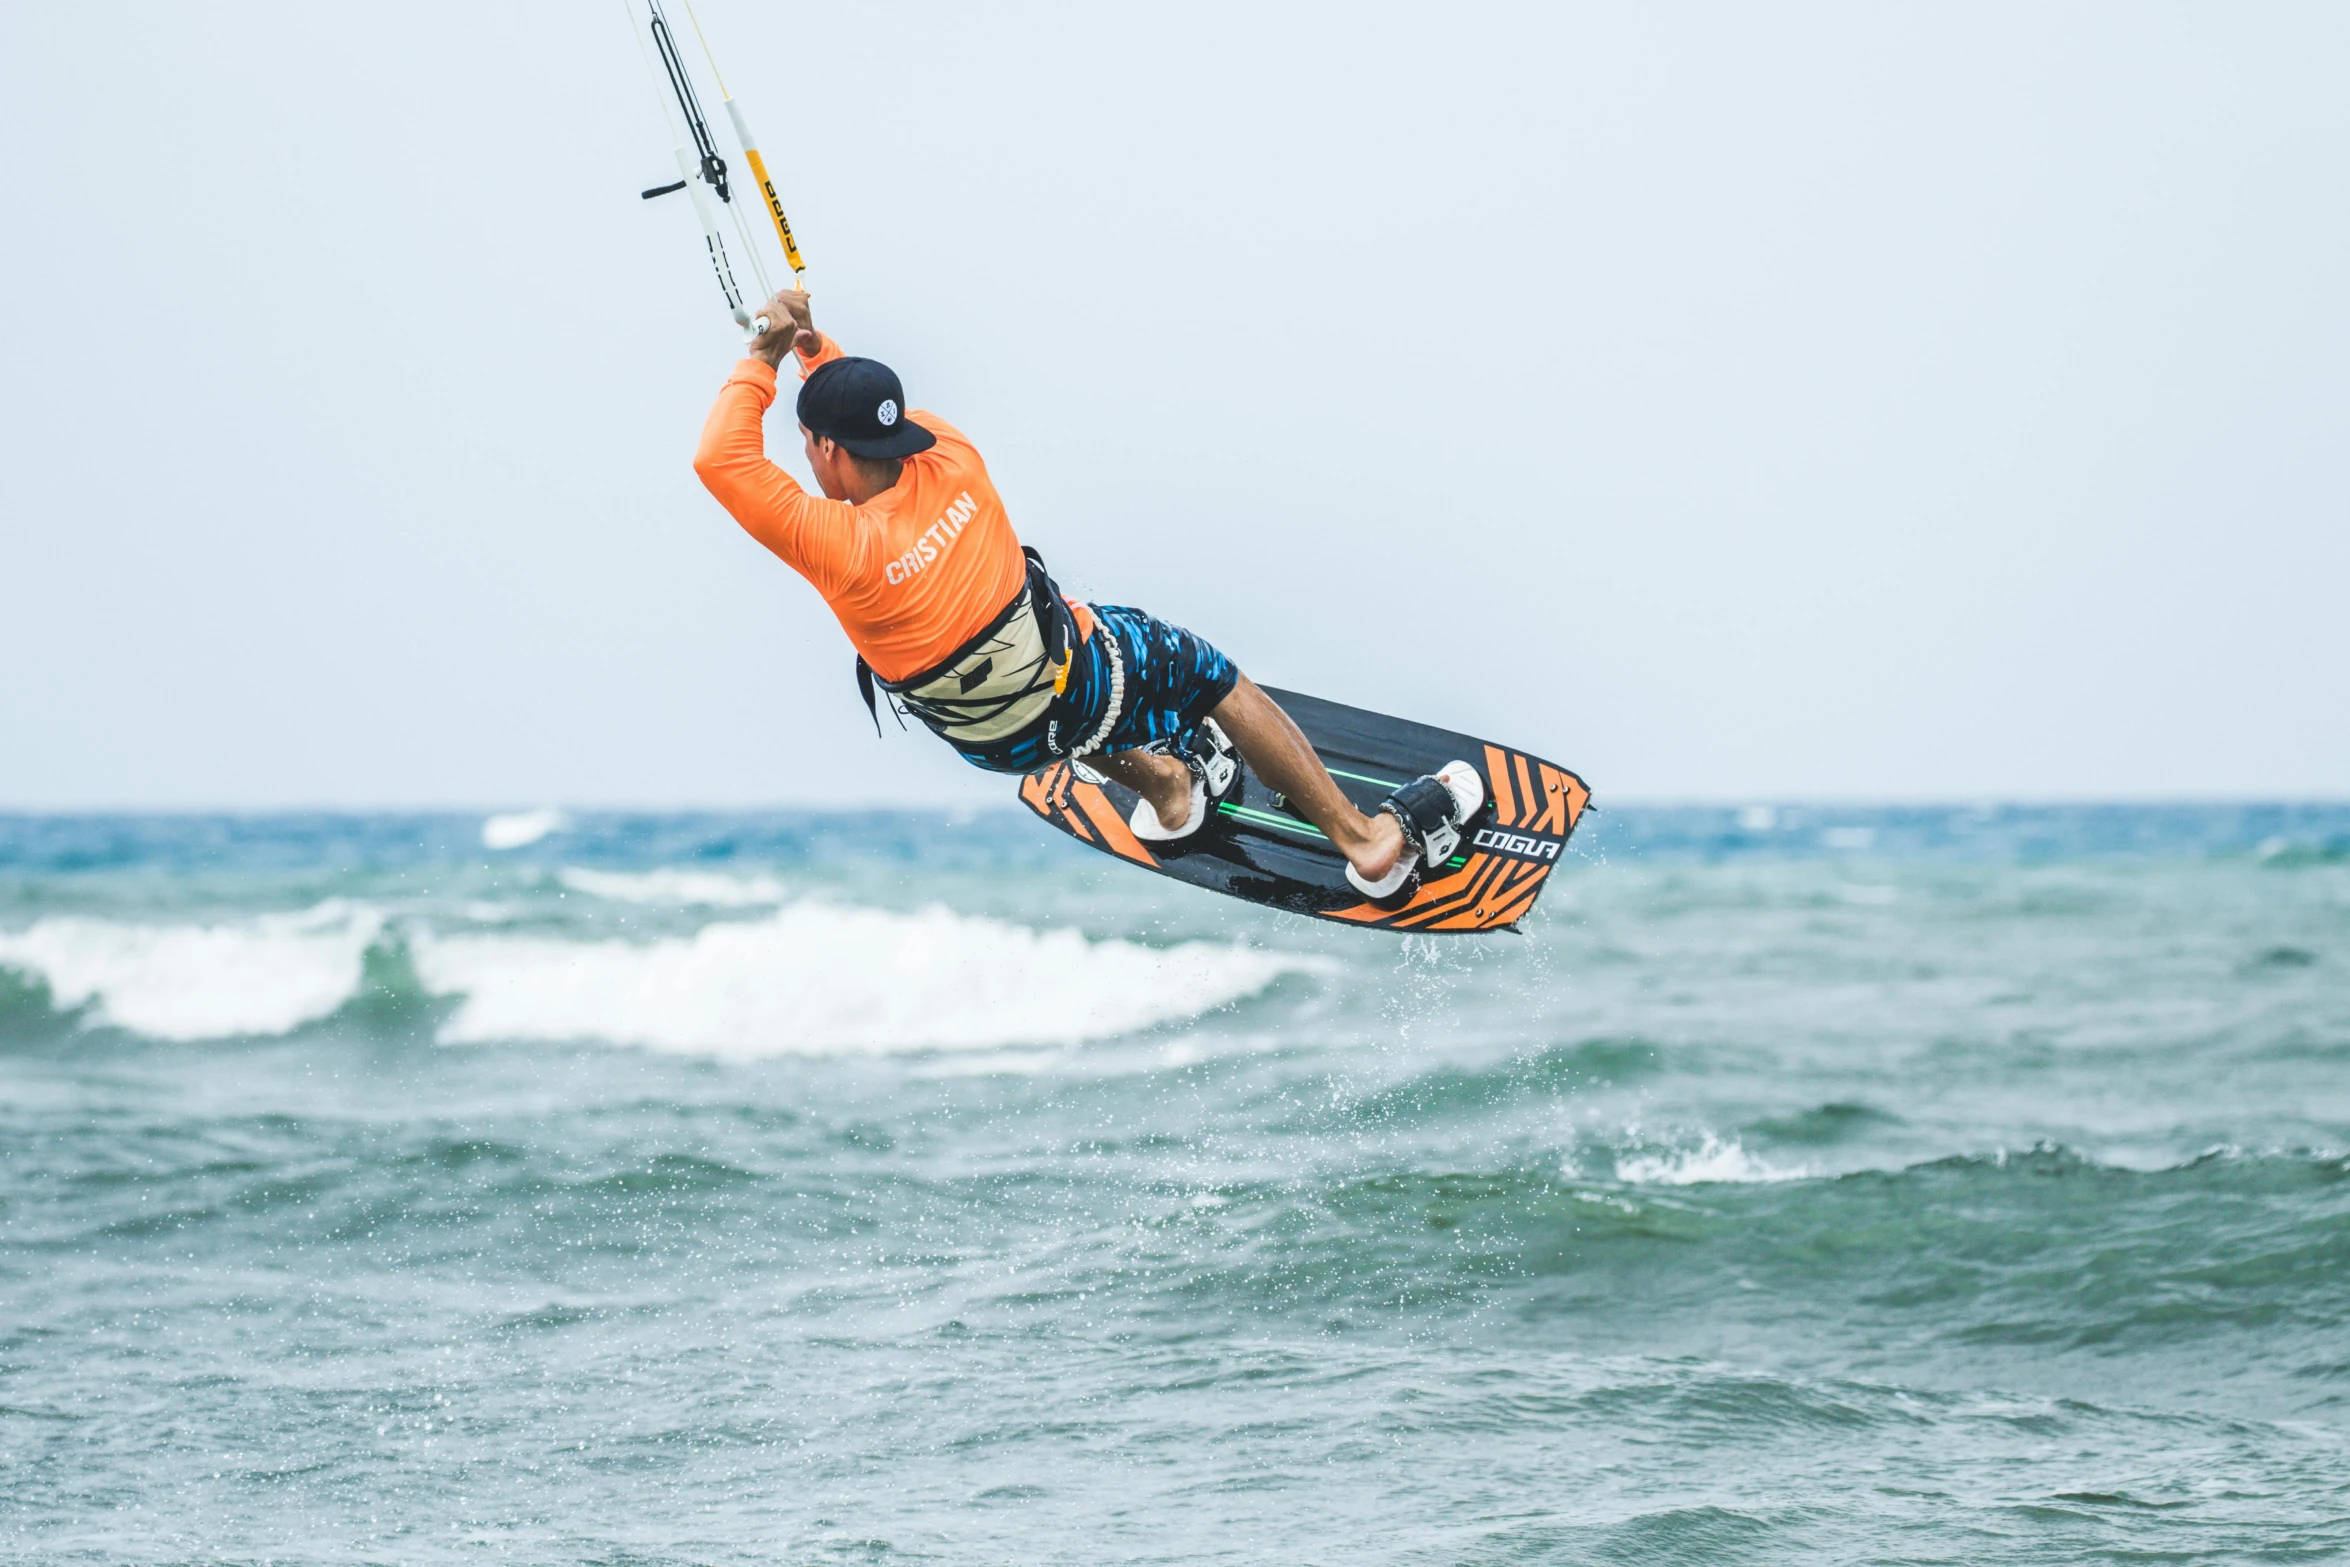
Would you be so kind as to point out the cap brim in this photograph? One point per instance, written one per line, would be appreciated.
(904, 441)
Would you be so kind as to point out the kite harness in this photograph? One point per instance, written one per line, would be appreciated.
(999, 687)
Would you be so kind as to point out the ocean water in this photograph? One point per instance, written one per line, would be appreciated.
(1959, 1185)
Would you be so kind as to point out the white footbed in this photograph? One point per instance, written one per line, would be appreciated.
(1145, 820)
(1390, 884)
(1468, 792)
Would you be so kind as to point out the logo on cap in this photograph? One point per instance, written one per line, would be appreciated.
(887, 413)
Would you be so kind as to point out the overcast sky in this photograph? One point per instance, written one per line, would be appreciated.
(1732, 402)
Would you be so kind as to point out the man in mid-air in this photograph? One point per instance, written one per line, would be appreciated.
(912, 550)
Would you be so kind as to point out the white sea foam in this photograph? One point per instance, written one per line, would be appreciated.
(518, 829)
(811, 979)
(816, 978)
(265, 975)
(1712, 1160)
(677, 889)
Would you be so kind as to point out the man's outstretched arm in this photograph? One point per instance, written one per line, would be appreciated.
(813, 536)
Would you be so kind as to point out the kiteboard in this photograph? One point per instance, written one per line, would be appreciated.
(1257, 849)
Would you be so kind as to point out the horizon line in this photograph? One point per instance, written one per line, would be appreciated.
(1600, 806)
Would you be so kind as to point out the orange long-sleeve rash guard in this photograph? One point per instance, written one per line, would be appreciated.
(912, 574)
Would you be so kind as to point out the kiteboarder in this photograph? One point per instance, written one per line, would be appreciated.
(910, 546)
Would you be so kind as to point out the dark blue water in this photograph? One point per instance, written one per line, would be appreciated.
(1935, 1185)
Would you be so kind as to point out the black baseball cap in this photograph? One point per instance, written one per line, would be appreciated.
(859, 403)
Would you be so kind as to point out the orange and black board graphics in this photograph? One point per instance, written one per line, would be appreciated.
(1258, 849)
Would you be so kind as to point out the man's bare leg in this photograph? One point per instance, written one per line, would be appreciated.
(1162, 780)
(1282, 756)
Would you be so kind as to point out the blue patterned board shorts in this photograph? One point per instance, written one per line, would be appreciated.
(1173, 678)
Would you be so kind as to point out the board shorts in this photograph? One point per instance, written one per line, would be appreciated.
(1166, 680)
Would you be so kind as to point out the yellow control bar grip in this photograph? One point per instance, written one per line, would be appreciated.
(742, 133)
(791, 247)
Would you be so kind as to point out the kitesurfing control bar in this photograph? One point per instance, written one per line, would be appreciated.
(704, 166)
(750, 146)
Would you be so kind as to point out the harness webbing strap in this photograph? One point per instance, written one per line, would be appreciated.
(865, 679)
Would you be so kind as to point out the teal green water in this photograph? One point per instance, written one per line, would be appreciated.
(1921, 1186)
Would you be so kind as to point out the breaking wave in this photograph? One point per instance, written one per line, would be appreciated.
(521, 829)
(810, 978)
(676, 889)
(267, 975)
(816, 977)
(1714, 1161)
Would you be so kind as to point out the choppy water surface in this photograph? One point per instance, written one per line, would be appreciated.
(1920, 1186)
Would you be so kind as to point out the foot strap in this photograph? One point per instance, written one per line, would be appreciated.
(1212, 760)
(1431, 810)
(1427, 809)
